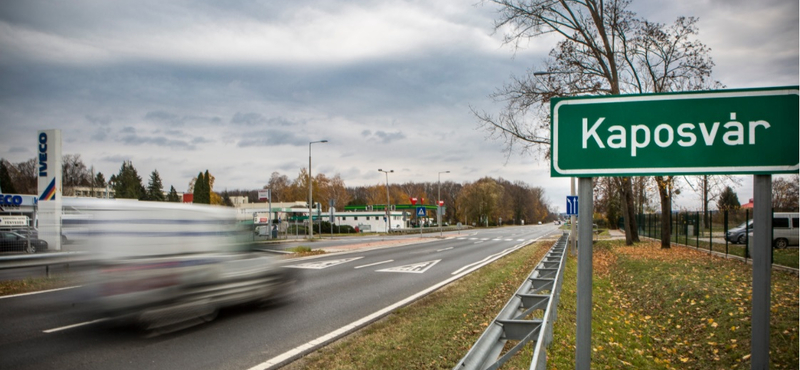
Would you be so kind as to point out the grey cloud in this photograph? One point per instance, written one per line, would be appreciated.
(18, 149)
(101, 134)
(99, 120)
(157, 141)
(387, 137)
(201, 140)
(116, 158)
(258, 119)
(272, 138)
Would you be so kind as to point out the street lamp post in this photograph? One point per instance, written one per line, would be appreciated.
(438, 201)
(388, 217)
(310, 187)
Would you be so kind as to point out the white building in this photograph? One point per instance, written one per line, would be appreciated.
(369, 221)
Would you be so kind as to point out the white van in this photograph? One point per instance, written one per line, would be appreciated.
(785, 229)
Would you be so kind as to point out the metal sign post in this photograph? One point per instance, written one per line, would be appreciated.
(420, 214)
(762, 270)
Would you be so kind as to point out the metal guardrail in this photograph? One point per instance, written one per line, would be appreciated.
(41, 260)
(515, 321)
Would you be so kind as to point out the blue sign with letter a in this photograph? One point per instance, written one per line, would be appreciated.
(572, 205)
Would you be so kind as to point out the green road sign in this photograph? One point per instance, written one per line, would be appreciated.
(747, 131)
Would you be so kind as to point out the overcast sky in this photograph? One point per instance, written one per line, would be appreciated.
(241, 87)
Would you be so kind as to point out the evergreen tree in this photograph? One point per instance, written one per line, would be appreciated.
(207, 188)
(173, 195)
(127, 183)
(155, 190)
(100, 180)
(200, 190)
(728, 200)
(6, 185)
(226, 199)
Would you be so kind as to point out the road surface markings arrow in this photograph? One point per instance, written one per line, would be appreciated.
(414, 268)
(319, 265)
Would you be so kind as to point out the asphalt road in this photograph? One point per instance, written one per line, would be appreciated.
(339, 293)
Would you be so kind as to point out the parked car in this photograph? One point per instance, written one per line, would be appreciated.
(785, 230)
(11, 241)
(738, 234)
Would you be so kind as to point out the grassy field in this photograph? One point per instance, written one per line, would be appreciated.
(653, 309)
(674, 309)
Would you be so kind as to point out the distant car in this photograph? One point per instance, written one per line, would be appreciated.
(11, 241)
(738, 234)
(27, 232)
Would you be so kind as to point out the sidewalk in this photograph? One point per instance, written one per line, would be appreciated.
(616, 234)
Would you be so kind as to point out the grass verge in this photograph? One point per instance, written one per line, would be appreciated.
(303, 251)
(28, 285)
(436, 331)
(673, 309)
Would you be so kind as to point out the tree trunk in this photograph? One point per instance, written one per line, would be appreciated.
(664, 185)
(631, 226)
(626, 211)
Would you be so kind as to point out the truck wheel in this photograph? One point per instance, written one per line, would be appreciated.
(781, 243)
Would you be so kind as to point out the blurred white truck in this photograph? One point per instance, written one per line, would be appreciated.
(166, 266)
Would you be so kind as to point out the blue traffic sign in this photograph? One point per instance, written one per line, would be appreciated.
(420, 211)
(572, 205)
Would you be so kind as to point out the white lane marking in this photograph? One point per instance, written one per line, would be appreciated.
(476, 265)
(373, 264)
(318, 265)
(414, 268)
(39, 292)
(309, 346)
(445, 249)
(73, 326)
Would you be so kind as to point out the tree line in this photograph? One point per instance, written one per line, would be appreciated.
(486, 201)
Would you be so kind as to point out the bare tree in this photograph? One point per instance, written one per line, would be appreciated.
(279, 187)
(605, 50)
(710, 187)
(784, 193)
(24, 176)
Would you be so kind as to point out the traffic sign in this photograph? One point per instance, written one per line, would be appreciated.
(572, 205)
(420, 211)
(413, 201)
(744, 131)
